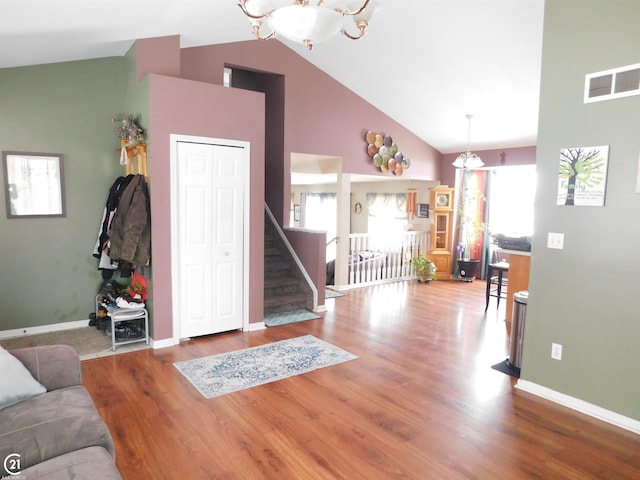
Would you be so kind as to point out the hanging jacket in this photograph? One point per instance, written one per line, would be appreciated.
(101, 249)
(130, 234)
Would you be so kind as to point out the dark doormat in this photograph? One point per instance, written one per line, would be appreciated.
(507, 368)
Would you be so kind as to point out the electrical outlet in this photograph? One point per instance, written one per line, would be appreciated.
(555, 240)
(556, 351)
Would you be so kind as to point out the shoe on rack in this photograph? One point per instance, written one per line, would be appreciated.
(103, 324)
(121, 302)
(127, 331)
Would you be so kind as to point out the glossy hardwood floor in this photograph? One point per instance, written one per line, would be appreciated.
(420, 402)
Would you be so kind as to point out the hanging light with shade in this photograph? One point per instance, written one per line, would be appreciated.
(307, 21)
(468, 159)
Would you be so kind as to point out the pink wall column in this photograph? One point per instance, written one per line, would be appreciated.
(192, 108)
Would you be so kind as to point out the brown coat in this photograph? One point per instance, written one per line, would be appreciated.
(130, 234)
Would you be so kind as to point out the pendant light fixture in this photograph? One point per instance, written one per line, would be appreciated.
(307, 21)
(468, 159)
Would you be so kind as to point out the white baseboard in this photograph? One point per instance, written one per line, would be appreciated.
(164, 343)
(54, 327)
(255, 326)
(580, 405)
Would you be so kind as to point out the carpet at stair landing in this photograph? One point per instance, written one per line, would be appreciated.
(293, 316)
(329, 293)
(224, 373)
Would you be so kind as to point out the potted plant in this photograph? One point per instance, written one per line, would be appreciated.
(470, 228)
(424, 268)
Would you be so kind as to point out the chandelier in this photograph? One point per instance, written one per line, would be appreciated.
(468, 159)
(306, 21)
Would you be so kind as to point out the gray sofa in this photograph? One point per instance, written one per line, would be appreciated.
(58, 434)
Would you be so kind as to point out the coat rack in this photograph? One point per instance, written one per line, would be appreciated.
(134, 158)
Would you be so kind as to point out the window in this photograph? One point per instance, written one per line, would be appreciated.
(511, 196)
(319, 212)
(387, 219)
(34, 184)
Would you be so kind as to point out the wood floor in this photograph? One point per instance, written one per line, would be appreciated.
(420, 402)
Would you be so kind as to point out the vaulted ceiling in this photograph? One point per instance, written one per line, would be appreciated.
(425, 63)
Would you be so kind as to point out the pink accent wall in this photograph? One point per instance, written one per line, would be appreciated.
(491, 158)
(192, 108)
(321, 115)
(158, 55)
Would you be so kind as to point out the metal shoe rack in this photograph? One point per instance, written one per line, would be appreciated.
(119, 315)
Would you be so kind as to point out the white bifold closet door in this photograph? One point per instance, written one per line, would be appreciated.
(210, 233)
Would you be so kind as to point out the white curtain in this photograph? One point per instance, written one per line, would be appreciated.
(387, 219)
(387, 205)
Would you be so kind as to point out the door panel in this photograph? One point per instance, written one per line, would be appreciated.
(210, 206)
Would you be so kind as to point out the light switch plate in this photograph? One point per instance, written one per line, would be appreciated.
(555, 240)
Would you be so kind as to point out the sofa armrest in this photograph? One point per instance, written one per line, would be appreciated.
(54, 366)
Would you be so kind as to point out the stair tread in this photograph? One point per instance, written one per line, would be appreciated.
(284, 300)
(284, 288)
(280, 281)
(280, 265)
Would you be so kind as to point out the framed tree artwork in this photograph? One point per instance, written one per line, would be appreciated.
(582, 178)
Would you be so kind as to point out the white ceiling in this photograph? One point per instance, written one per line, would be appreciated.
(425, 63)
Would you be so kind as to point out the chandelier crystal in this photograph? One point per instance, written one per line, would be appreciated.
(307, 21)
(468, 159)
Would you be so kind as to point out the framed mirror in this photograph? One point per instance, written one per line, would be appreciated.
(33, 184)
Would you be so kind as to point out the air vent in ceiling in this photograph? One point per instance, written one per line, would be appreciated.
(614, 83)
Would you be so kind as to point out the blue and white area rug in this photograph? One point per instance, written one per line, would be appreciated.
(229, 372)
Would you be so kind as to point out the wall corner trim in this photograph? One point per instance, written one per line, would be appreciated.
(581, 406)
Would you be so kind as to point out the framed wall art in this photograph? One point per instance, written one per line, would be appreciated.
(582, 177)
(423, 210)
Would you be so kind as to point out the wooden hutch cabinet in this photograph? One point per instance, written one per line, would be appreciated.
(441, 199)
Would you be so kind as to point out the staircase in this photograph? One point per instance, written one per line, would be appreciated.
(285, 288)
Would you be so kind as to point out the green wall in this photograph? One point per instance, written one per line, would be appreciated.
(49, 274)
(584, 296)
